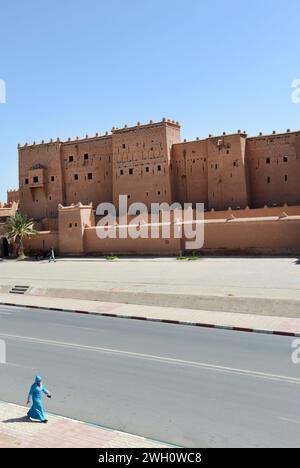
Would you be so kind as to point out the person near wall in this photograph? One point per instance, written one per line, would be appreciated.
(52, 256)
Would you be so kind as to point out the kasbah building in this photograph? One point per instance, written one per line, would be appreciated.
(250, 188)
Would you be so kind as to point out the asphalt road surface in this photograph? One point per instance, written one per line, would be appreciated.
(184, 385)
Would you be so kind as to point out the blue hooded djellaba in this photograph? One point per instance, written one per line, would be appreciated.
(36, 412)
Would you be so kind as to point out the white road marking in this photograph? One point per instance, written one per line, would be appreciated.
(13, 364)
(161, 359)
(78, 327)
(13, 308)
(294, 421)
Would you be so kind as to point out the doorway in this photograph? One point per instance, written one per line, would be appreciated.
(5, 247)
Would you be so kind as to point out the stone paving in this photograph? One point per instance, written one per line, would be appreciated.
(273, 278)
(17, 431)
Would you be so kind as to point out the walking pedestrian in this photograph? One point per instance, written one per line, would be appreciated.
(52, 256)
(36, 411)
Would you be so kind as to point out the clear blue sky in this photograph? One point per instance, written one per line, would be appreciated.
(78, 67)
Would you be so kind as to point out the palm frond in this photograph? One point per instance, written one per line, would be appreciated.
(18, 227)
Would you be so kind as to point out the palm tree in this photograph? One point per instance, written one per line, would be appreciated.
(17, 228)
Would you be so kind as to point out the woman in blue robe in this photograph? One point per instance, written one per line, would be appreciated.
(36, 412)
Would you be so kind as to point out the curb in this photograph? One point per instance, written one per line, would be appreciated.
(170, 322)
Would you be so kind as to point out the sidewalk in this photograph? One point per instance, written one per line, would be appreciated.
(200, 318)
(266, 278)
(252, 285)
(16, 431)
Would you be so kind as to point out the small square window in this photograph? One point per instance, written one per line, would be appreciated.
(90, 176)
(285, 159)
(158, 193)
(268, 161)
(71, 158)
(159, 168)
(70, 225)
(76, 177)
(26, 181)
(130, 171)
(86, 156)
(52, 178)
(147, 169)
(124, 146)
(121, 172)
(35, 180)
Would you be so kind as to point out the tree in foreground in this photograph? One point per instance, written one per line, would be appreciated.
(17, 228)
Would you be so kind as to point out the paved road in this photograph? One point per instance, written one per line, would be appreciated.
(183, 385)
